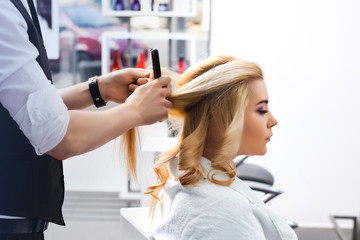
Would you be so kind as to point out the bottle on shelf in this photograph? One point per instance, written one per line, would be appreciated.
(141, 61)
(135, 5)
(181, 64)
(119, 5)
(164, 5)
(116, 62)
(152, 5)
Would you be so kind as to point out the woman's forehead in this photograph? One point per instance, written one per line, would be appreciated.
(258, 90)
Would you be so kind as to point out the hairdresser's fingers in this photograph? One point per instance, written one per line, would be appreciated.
(164, 81)
(132, 87)
(168, 104)
(142, 81)
(139, 82)
(151, 76)
(163, 120)
(167, 91)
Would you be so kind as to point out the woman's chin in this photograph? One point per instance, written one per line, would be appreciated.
(253, 153)
(264, 151)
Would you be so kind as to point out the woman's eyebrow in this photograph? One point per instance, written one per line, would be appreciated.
(263, 101)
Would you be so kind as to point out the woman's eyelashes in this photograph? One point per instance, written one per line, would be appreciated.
(262, 111)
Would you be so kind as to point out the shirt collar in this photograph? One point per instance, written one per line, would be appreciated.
(206, 166)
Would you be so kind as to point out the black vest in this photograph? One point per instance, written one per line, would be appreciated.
(30, 186)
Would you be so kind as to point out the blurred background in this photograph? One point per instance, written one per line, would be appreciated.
(309, 52)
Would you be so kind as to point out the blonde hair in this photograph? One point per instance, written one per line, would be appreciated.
(213, 91)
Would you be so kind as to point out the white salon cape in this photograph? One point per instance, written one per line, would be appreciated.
(213, 212)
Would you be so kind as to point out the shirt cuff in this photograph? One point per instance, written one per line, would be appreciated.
(48, 119)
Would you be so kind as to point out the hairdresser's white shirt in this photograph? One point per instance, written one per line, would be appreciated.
(25, 92)
(209, 211)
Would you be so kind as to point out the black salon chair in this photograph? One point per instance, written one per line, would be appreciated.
(259, 179)
(355, 235)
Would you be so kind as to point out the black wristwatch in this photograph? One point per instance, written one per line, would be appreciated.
(95, 93)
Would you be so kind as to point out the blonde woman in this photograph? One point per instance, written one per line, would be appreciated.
(223, 105)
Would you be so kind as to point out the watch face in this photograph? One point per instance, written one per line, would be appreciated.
(93, 78)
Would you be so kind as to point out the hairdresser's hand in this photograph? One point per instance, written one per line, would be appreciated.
(142, 81)
(118, 85)
(149, 100)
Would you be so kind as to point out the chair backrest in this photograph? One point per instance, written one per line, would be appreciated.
(256, 173)
(357, 228)
(252, 172)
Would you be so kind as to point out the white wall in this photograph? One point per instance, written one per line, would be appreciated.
(104, 169)
(98, 170)
(310, 54)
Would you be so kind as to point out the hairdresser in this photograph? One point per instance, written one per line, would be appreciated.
(40, 125)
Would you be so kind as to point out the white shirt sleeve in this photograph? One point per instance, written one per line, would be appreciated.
(25, 91)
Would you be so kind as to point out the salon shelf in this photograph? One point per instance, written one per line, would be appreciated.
(108, 11)
(143, 13)
(130, 196)
(108, 35)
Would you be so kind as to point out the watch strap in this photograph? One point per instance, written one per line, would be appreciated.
(95, 92)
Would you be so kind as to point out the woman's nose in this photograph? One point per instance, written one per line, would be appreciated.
(272, 121)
